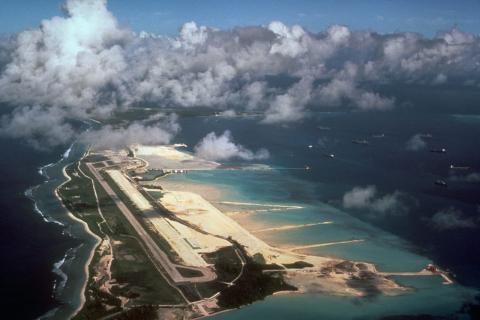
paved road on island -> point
(156, 254)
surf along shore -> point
(71, 270)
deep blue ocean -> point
(384, 162)
(30, 246)
(398, 241)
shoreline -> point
(89, 232)
(69, 305)
(181, 202)
(181, 196)
(192, 208)
(222, 200)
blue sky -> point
(165, 17)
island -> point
(164, 251)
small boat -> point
(440, 183)
(310, 146)
(442, 150)
(329, 155)
(360, 141)
(307, 168)
(381, 135)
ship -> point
(442, 150)
(453, 167)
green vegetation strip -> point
(253, 285)
(137, 278)
(189, 273)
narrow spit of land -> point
(423, 272)
(158, 255)
(291, 226)
(325, 244)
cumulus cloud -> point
(213, 147)
(416, 143)
(159, 129)
(88, 65)
(42, 127)
(67, 61)
(367, 198)
(343, 89)
(289, 106)
(451, 218)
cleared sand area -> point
(318, 274)
(162, 151)
(203, 243)
(169, 158)
(194, 209)
(126, 186)
(179, 243)
(291, 227)
(185, 247)
(208, 192)
(324, 275)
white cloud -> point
(367, 198)
(290, 40)
(451, 218)
(68, 61)
(213, 147)
(43, 127)
(416, 143)
(192, 35)
(290, 106)
(343, 89)
(359, 197)
(156, 130)
(88, 65)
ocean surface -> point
(403, 240)
(30, 246)
(44, 250)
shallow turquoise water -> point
(426, 300)
(390, 253)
